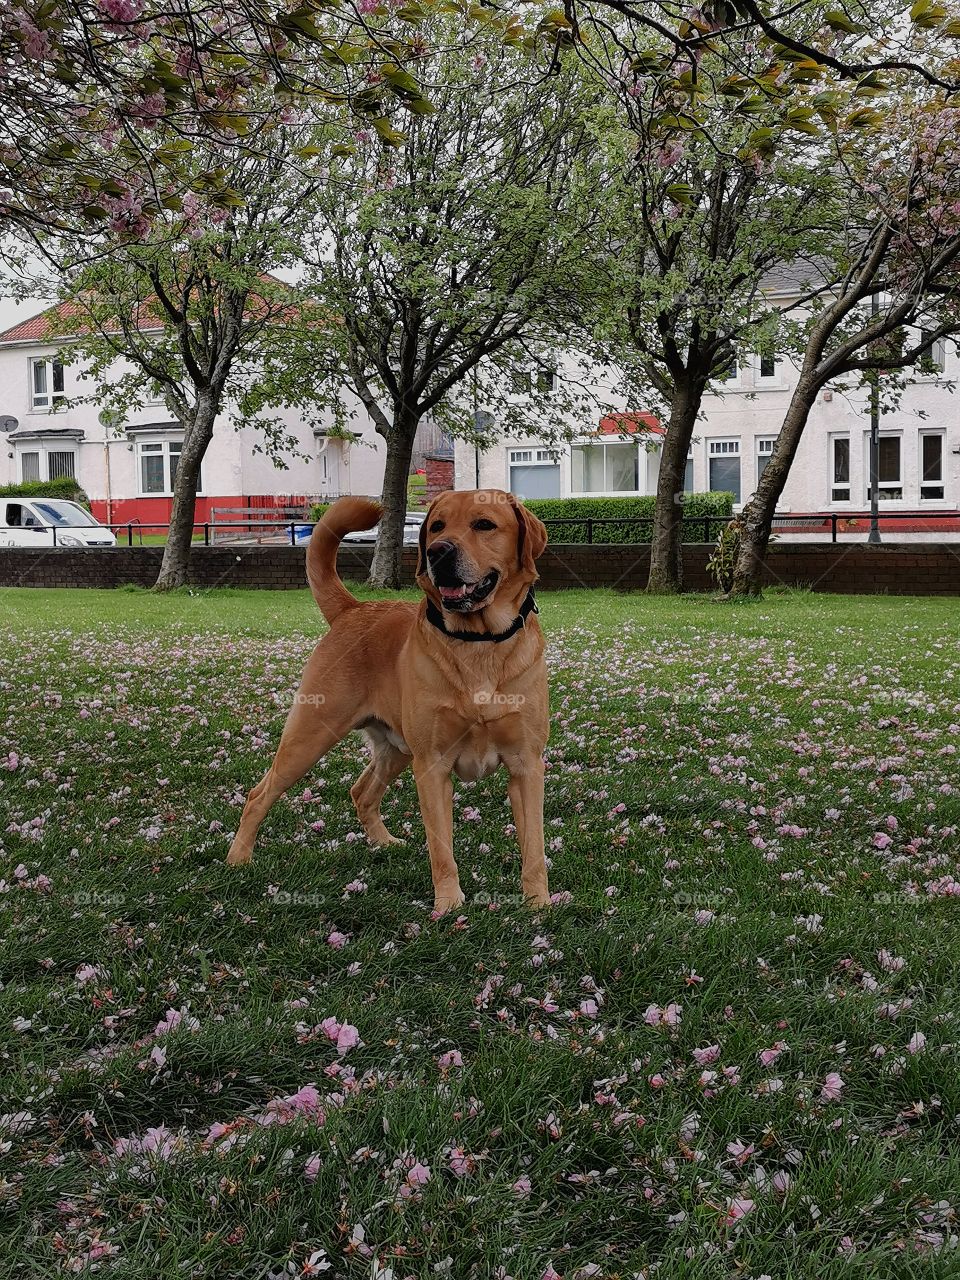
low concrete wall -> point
(854, 568)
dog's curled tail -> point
(346, 515)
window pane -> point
(61, 464)
(762, 461)
(57, 377)
(535, 482)
(688, 477)
(588, 468)
(151, 472)
(520, 384)
(40, 378)
(725, 476)
(932, 458)
(888, 462)
(30, 466)
(768, 364)
(841, 461)
(622, 472)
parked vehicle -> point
(411, 530)
(50, 522)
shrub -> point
(318, 511)
(695, 505)
(66, 487)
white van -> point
(50, 522)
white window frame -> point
(149, 448)
(603, 443)
(937, 357)
(153, 396)
(772, 381)
(833, 484)
(43, 452)
(532, 457)
(51, 400)
(764, 449)
(725, 447)
(884, 435)
(941, 484)
(734, 382)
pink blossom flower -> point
(461, 1164)
(452, 1058)
(769, 1056)
(704, 1057)
(418, 1176)
(737, 1209)
(312, 1168)
(917, 1042)
(338, 940)
(833, 1086)
(522, 1187)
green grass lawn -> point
(728, 1051)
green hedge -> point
(694, 505)
(66, 487)
(318, 510)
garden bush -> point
(66, 487)
(695, 506)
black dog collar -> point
(435, 617)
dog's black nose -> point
(437, 550)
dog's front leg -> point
(435, 789)
(526, 799)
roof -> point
(629, 423)
(54, 323)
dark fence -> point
(919, 569)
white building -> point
(128, 471)
(919, 461)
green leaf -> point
(680, 193)
(927, 13)
(839, 21)
(391, 136)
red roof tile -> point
(630, 423)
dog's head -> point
(477, 547)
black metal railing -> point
(299, 530)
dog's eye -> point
(483, 525)
(437, 527)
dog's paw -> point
(238, 857)
(384, 840)
(444, 902)
(537, 900)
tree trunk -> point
(666, 555)
(176, 553)
(757, 516)
(385, 568)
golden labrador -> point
(454, 684)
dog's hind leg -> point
(367, 792)
(308, 735)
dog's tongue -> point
(453, 593)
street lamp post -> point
(874, 535)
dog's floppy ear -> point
(422, 560)
(531, 536)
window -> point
(764, 451)
(61, 464)
(546, 380)
(605, 468)
(46, 383)
(840, 469)
(729, 370)
(688, 473)
(29, 466)
(158, 466)
(724, 458)
(932, 361)
(931, 464)
(889, 480)
(766, 366)
(153, 394)
(534, 473)
(520, 383)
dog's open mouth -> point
(468, 595)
